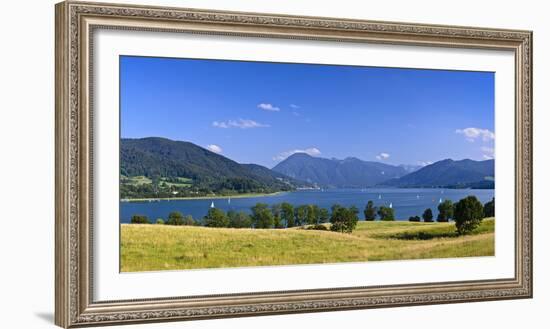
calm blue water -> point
(405, 202)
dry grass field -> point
(163, 247)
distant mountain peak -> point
(447, 173)
(299, 155)
(349, 172)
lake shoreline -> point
(405, 202)
(207, 197)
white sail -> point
(391, 205)
(440, 200)
(228, 200)
(379, 196)
(212, 204)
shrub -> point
(140, 219)
(468, 214)
(446, 209)
(216, 218)
(318, 227)
(386, 213)
(489, 209)
(175, 218)
(414, 219)
(428, 215)
(370, 211)
(160, 221)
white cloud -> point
(214, 148)
(313, 151)
(488, 152)
(268, 107)
(382, 156)
(219, 124)
(294, 106)
(472, 134)
(424, 163)
(240, 123)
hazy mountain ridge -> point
(450, 173)
(349, 172)
(209, 171)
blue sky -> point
(257, 112)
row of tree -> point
(342, 219)
(283, 215)
(467, 213)
(447, 209)
(383, 212)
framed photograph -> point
(219, 164)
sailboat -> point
(228, 200)
(440, 200)
(212, 204)
(391, 205)
(379, 196)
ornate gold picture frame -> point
(76, 22)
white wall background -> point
(27, 162)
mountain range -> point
(449, 173)
(161, 157)
(210, 172)
(350, 172)
(353, 172)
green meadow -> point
(152, 247)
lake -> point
(405, 202)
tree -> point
(312, 214)
(276, 211)
(287, 214)
(324, 216)
(300, 214)
(343, 219)
(386, 213)
(262, 216)
(239, 219)
(446, 209)
(175, 218)
(489, 209)
(189, 221)
(216, 218)
(370, 211)
(140, 219)
(414, 219)
(428, 215)
(160, 221)
(468, 214)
